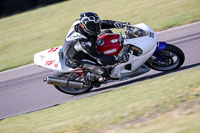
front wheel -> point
(69, 90)
(168, 59)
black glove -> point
(119, 25)
(123, 58)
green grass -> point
(24, 34)
(180, 121)
(119, 109)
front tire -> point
(68, 90)
(168, 59)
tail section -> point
(49, 59)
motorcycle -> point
(140, 42)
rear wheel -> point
(68, 90)
(168, 59)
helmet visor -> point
(92, 27)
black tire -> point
(68, 90)
(173, 52)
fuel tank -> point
(109, 44)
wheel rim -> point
(72, 90)
(164, 60)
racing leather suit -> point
(80, 47)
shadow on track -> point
(145, 78)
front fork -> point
(160, 46)
(156, 55)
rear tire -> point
(168, 59)
(68, 90)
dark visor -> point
(93, 27)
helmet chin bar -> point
(91, 33)
(88, 31)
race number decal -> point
(48, 63)
(53, 49)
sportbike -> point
(139, 42)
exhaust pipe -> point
(67, 83)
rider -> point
(80, 45)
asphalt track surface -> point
(22, 90)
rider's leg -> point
(96, 72)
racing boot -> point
(94, 77)
(98, 70)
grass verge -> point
(24, 34)
(110, 111)
(181, 120)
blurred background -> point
(10, 7)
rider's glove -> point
(119, 25)
(123, 58)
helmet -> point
(90, 23)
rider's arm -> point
(106, 24)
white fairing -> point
(146, 43)
(144, 27)
(51, 59)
